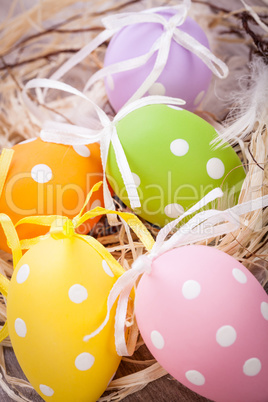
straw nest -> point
(36, 41)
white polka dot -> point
(23, 273)
(174, 210)
(195, 377)
(215, 168)
(95, 204)
(137, 180)
(82, 150)
(84, 361)
(157, 89)
(77, 293)
(191, 289)
(47, 391)
(41, 173)
(175, 107)
(20, 328)
(157, 340)
(252, 367)
(107, 269)
(199, 97)
(226, 336)
(179, 147)
(26, 141)
(239, 275)
(264, 310)
(110, 82)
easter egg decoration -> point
(159, 51)
(45, 179)
(57, 295)
(204, 317)
(184, 75)
(172, 161)
(66, 282)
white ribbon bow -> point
(62, 133)
(204, 225)
(114, 23)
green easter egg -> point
(172, 160)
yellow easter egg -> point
(58, 295)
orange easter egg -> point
(50, 179)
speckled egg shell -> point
(184, 76)
(173, 163)
(204, 317)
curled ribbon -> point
(161, 46)
(195, 230)
(69, 134)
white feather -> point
(250, 105)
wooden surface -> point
(165, 389)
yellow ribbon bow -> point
(61, 227)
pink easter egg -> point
(204, 317)
(184, 76)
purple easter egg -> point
(185, 75)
